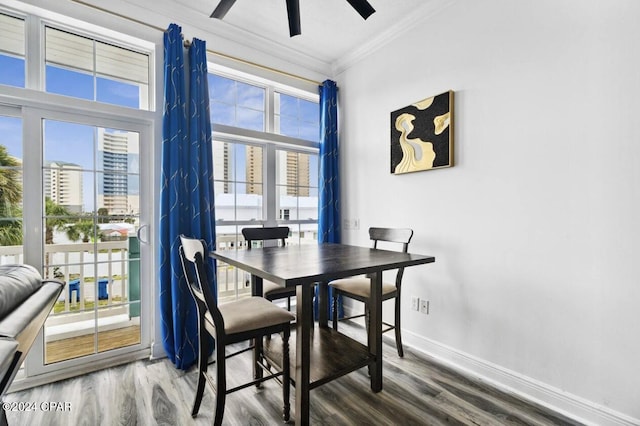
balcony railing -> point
(93, 274)
(233, 282)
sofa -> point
(25, 303)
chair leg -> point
(221, 384)
(257, 356)
(334, 310)
(397, 328)
(366, 322)
(202, 371)
(288, 303)
(286, 375)
(367, 327)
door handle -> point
(139, 234)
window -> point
(12, 50)
(296, 117)
(11, 233)
(85, 68)
(237, 182)
(261, 179)
(236, 103)
(71, 173)
(297, 185)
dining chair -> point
(244, 319)
(270, 290)
(359, 288)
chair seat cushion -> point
(271, 289)
(250, 314)
(360, 287)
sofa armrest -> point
(27, 318)
(23, 324)
(17, 284)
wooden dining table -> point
(321, 353)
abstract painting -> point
(422, 135)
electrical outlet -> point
(351, 224)
(415, 303)
(424, 307)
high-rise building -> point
(297, 174)
(63, 185)
(118, 185)
(254, 170)
(222, 167)
(293, 169)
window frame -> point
(34, 90)
(34, 104)
(269, 140)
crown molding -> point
(221, 37)
(416, 17)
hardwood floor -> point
(417, 391)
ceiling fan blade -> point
(222, 8)
(293, 11)
(362, 7)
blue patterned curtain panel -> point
(186, 193)
(329, 203)
(329, 177)
(200, 173)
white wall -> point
(535, 230)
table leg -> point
(323, 305)
(304, 322)
(256, 290)
(375, 330)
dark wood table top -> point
(306, 264)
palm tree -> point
(10, 232)
(83, 230)
(103, 214)
(10, 185)
(57, 217)
(10, 199)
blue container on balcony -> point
(74, 285)
(102, 288)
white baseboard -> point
(157, 351)
(525, 387)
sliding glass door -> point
(80, 186)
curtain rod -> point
(213, 52)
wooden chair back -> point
(265, 234)
(392, 235)
(192, 252)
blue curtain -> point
(186, 194)
(200, 174)
(329, 177)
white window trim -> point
(268, 139)
(33, 105)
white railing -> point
(89, 271)
(232, 282)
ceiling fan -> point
(293, 11)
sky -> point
(63, 141)
(231, 102)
